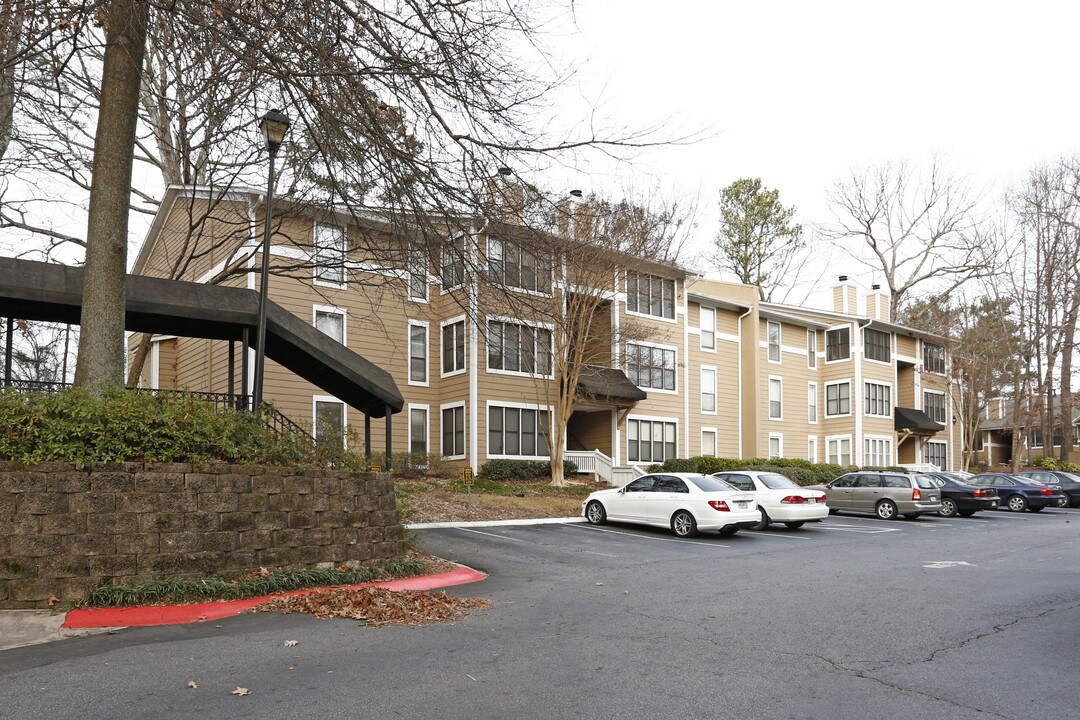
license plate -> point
(993, 503)
(742, 503)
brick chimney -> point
(877, 304)
(845, 296)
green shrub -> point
(503, 470)
(1047, 463)
(803, 472)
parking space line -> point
(867, 529)
(646, 537)
(494, 535)
(775, 536)
(531, 542)
(907, 523)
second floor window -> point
(453, 347)
(933, 358)
(934, 406)
(330, 254)
(776, 398)
(811, 402)
(331, 323)
(650, 367)
(518, 348)
(708, 390)
(516, 267)
(453, 263)
(837, 399)
(878, 345)
(837, 344)
(650, 295)
(418, 349)
(878, 400)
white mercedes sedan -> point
(685, 502)
(779, 499)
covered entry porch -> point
(605, 396)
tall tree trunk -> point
(101, 342)
(1066, 402)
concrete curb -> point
(494, 523)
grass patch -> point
(167, 591)
(484, 486)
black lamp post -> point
(274, 125)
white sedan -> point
(685, 502)
(778, 498)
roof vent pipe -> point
(843, 278)
(875, 286)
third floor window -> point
(878, 345)
(513, 266)
(650, 295)
(650, 367)
(516, 347)
(837, 344)
(330, 254)
(933, 358)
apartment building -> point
(684, 366)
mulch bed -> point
(374, 606)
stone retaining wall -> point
(65, 530)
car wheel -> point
(1063, 502)
(683, 524)
(966, 513)
(1016, 503)
(795, 525)
(595, 513)
(763, 523)
(886, 510)
(948, 507)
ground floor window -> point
(838, 451)
(935, 454)
(418, 429)
(517, 432)
(650, 440)
(811, 449)
(329, 421)
(708, 443)
(878, 452)
(453, 431)
(776, 445)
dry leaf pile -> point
(375, 606)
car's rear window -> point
(776, 482)
(1071, 476)
(710, 484)
(926, 482)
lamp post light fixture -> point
(274, 125)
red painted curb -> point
(201, 612)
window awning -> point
(607, 387)
(916, 422)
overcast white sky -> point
(797, 93)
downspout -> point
(739, 380)
(474, 354)
(686, 363)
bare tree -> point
(917, 226)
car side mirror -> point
(622, 490)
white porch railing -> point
(624, 474)
(591, 461)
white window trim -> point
(892, 397)
(442, 258)
(779, 437)
(514, 288)
(829, 438)
(851, 400)
(701, 333)
(892, 348)
(944, 403)
(716, 440)
(427, 424)
(442, 430)
(427, 353)
(922, 358)
(701, 382)
(881, 438)
(442, 325)
(926, 453)
(333, 309)
(768, 399)
(811, 390)
(851, 350)
(811, 333)
(658, 318)
(515, 406)
(652, 418)
(642, 343)
(529, 323)
(315, 252)
(811, 442)
(779, 342)
(344, 416)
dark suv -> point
(886, 494)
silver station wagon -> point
(886, 494)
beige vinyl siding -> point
(795, 376)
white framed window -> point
(811, 348)
(708, 442)
(453, 346)
(453, 431)
(877, 399)
(651, 439)
(776, 446)
(514, 347)
(513, 266)
(650, 295)
(1035, 439)
(708, 328)
(329, 320)
(936, 454)
(838, 450)
(518, 431)
(773, 332)
(651, 366)
(811, 448)
(453, 262)
(418, 352)
(934, 405)
(776, 398)
(708, 390)
(328, 419)
(877, 451)
(419, 428)
(811, 402)
(418, 273)
(877, 345)
(933, 358)
(329, 253)
(837, 399)
(838, 344)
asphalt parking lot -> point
(850, 618)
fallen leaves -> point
(240, 691)
(375, 606)
(191, 684)
(290, 643)
(52, 601)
